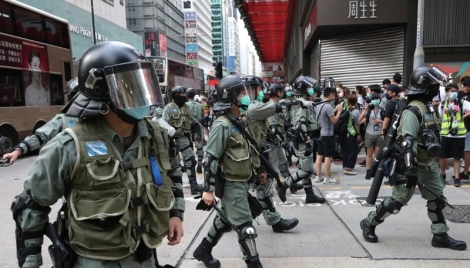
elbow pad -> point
(211, 168)
(409, 156)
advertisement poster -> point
(273, 72)
(190, 32)
(151, 44)
(35, 74)
(191, 48)
(191, 40)
(191, 56)
(163, 45)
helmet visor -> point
(436, 74)
(133, 84)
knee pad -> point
(440, 205)
(394, 207)
(247, 240)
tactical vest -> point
(311, 122)
(195, 109)
(427, 120)
(258, 128)
(112, 209)
(448, 122)
(236, 161)
(180, 119)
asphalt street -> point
(328, 235)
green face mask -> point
(244, 101)
(375, 102)
(289, 94)
(310, 91)
(260, 96)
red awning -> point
(268, 23)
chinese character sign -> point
(151, 44)
(190, 33)
(362, 10)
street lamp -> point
(93, 22)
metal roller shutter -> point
(315, 62)
(363, 59)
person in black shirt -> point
(393, 96)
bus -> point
(173, 73)
(35, 64)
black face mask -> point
(433, 90)
(388, 96)
(179, 100)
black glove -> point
(308, 149)
(202, 206)
(411, 177)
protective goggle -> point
(436, 74)
(130, 85)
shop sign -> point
(362, 10)
(87, 33)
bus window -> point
(176, 69)
(28, 24)
(57, 90)
(189, 72)
(159, 65)
(56, 33)
(5, 18)
(10, 88)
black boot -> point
(295, 187)
(203, 253)
(195, 188)
(368, 232)
(445, 241)
(281, 191)
(311, 197)
(285, 225)
(253, 264)
(199, 169)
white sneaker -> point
(330, 180)
(319, 179)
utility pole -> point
(93, 22)
(418, 59)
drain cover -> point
(461, 214)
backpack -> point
(341, 126)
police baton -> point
(222, 215)
(433, 193)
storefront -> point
(81, 27)
(356, 42)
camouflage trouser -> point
(429, 176)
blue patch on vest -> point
(427, 116)
(175, 111)
(96, 148)
(234, 128)
(70, 123)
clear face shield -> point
(328, 83)
(437, 75)
(133, 85)
(243, 94)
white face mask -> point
(340, 95)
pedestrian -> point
(373, 116)
(466, 90)
(417, 163)
(111, 167)
(326, 117)
(350, 144)
(393, 97)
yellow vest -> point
(105, 220)
(447, 122)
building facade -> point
(109, 22)
(365, 42)
(204, 31)
(233, 46)
(158, 18)
(220, 40)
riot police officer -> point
(229, 164)
(178, 115)
(417, 138)
(304, 122)
(45, 133)
(197, 132)
(110, 166)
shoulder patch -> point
(96, 148)
(234, 128)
